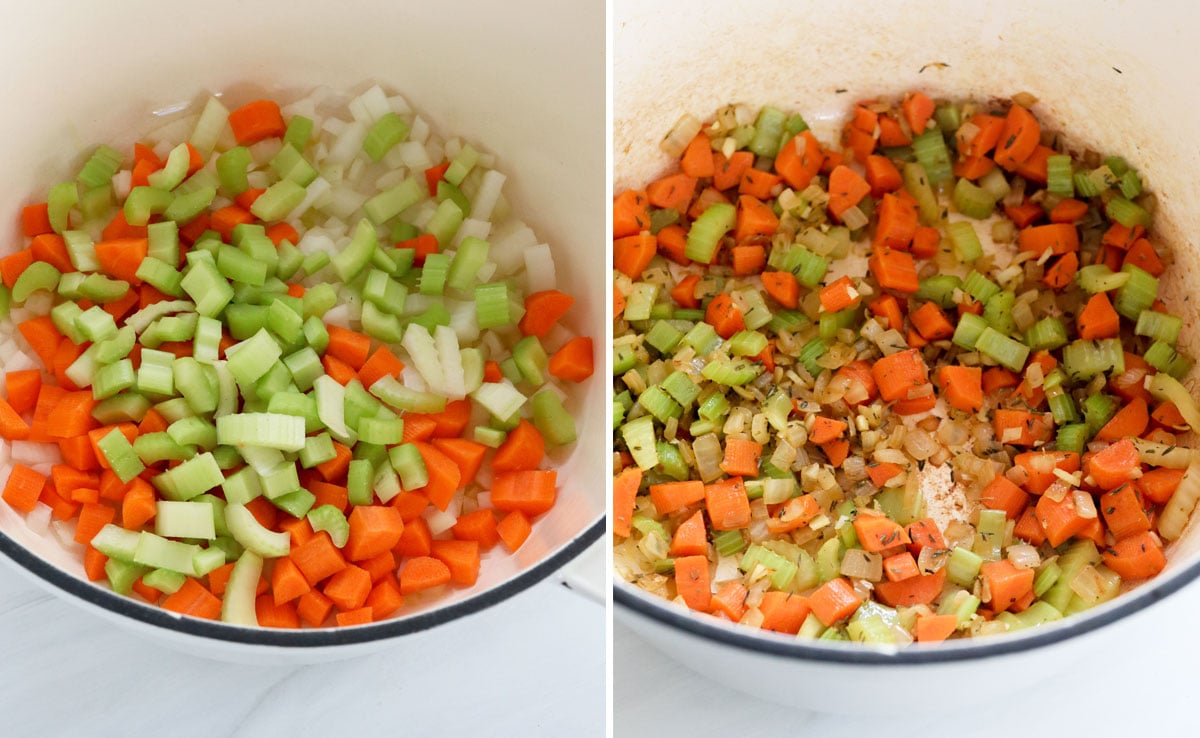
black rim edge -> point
(303, 638)
(728, 634)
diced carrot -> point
(697, 159)
(138, 505)
(730, 600)
(897, 224)
(287, 581)
(1002, 494)
(1158, 485)
(35, 219)
(314, 608)
(741, 457)
(825, 430)
(23, 488)
(836, 451)
(478, 526)
(22, 388)
(931, 322)
(793, 514)
(348, 589)
(1069, 210)
(783, 612)
(839, 295)
(383, 363)
(12, 426)
(532, 492)
(935, 628)
(385, 597)
(879, 533)
(193, 599)
(1143, 256)
(917, 109)
(631, 213)
(1123, 511)
(708, 196)
(1136, 557)
(374, 529)
(632, 254)
(748, 259)
(897, 374)
(318, 559)
(727, 172)
(1130, 421)
(691, 537)
(52, 249)
(445, 478)
(423, 572)
(1115, 464)
(846, 189)
(799, 160)
(888, 307)
(93, 564)
(727, 504)
(723, 315)
(1036, 167)
(901, 566)
(973, 167)
(1028, 528)
(15, 264)
(1098, 319)
(543, 310)
(962, 386)
(1057, 238)
(1060, 520)
(1021, 428)
(671, 497)
(758, 184)
(882, 175)
(513, 530)
(1061, 273)
(1018, 139)
(335, 469)
(416, 540)
(890, 132)
(1006, 582)
(834, 600)
(919, 590)
(257, 120)
(672, 243)
(894, 270)
(625, 487)
(1038, 468)
(672, 192)
(692, 582)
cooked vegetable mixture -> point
(293, 369)
(916, 387)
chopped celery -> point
(932, 154)
(707, 230)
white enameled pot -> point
(525, 80)
(1117, 76)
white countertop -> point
(1148, 691)
(531, 666)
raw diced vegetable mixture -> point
(291, 370)
(915, 387)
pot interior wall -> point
(525, 83)
(1114, 76)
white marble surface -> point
(1157, 678)
(531, 666)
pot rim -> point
(626, 596)
(304, 638)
